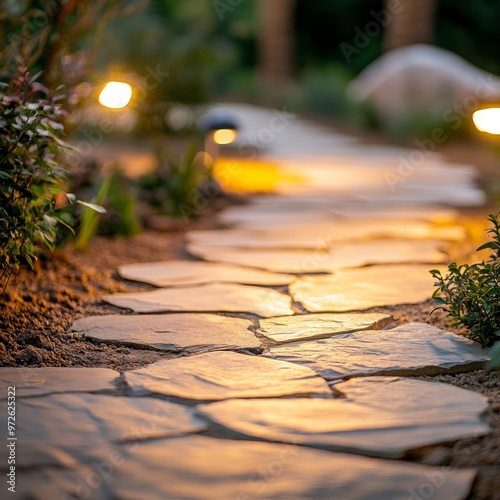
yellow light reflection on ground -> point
(248, 176)
(224, 136)
(115, 95)
(487, 120)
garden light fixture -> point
(219, 128)
(487, 120)
(115, 95)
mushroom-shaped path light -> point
(115, 95)
(219, 128)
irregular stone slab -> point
(41, 381)
(190, 333)
(222, 375)
(435, 214)
(198, 467)
(217, 297)
(64, 429)
(357, 289)
(319, 326)
(184, 272)
(312, 236)
(278, 217)
(72, 483)
(326, 258)
(457, 196)
(415, 397)
(385, 417)
(411, 349)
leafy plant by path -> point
(30, 172)
(470, 294)
(122, 206)
(494, 364)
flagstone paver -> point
(326, 258)
(222, 375)
(189, 333)
(273, 209)
(358, 212)
(314, 234)
(184, 272)
(459, 196)
(41, 381)
(357, 289)
(74, 482)
(274, 218)
(385, 417)
(60, 429)
(199, 467)
(217, 297)
(318, 326)
(411, 349)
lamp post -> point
(219, 129)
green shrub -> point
(494, 364)
(174, 187)
(31, 174)
(89, 220)
(120, 216)
(470, 294)
(121, 203)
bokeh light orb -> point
(115, 95)
(487, 120)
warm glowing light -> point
(224, 136)
(487, 120)
(248, 176)
(115, 95)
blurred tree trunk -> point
(275, 40)
(412, 21)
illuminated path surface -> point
(286, 385)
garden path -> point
(284, 383)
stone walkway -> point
(282, 386)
